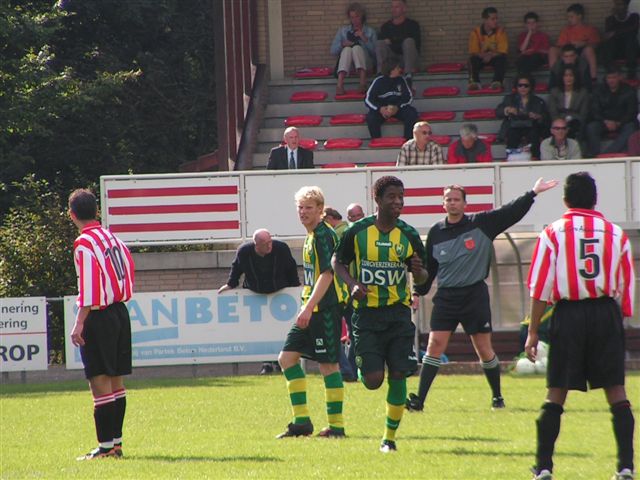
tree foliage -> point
(36, 251)
(95, 87)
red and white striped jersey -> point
(581, 256)
(104, 267)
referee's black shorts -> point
(586, 345)
(107, 337)
(469, 306)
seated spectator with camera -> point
(354, 44)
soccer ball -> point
(541, 365)
(543, 351)
(525, 367)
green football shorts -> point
(384, 335)
(320, 341)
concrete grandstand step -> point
(321, 133)
(280, 91)
(361, 156)
(330, 107)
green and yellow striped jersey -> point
(316, 259)
(381, 260)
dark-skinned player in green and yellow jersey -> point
(384, 249)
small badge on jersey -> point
(399, 249)
(469, 243)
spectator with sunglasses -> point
(525, 116)
(421, 149)
(559, 146)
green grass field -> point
(225, 428)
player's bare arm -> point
(76, 333)
(319, 289)
(531, 346)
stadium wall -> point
(308, 26)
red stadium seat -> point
(303, 121)
(541, 87)
(340, 165)
(314, 72)
(309, 143)
(441, 91)
(350, 95)
(485, 91)
(387, 142)
(348, 119)
(480, 114)
(488, 137)
(309, 96)
(613, 155)
(451, 67)
(632, 82)
(437, 116)
(342, 143)
(381, 164)
(442, 140)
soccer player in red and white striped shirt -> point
(582, 263)
(102, 329)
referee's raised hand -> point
(542, 186)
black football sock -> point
(623, 425)
(103, 414)
(492, 372)
(430, 367)
(548, 427)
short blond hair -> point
(310, 193)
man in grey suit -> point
(290, 156)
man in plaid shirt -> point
(420, 150)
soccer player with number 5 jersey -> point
(102, 328)
(583, 264)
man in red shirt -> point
(577, 33)
(102, 329)
(533, 45)
(583, 264)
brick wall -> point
(310, 25)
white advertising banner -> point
(178, 328)
(23, 334)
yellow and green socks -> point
(334, 394)
(297, 387)
(396, 396)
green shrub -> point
(36, 251)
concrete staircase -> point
(280, 107)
